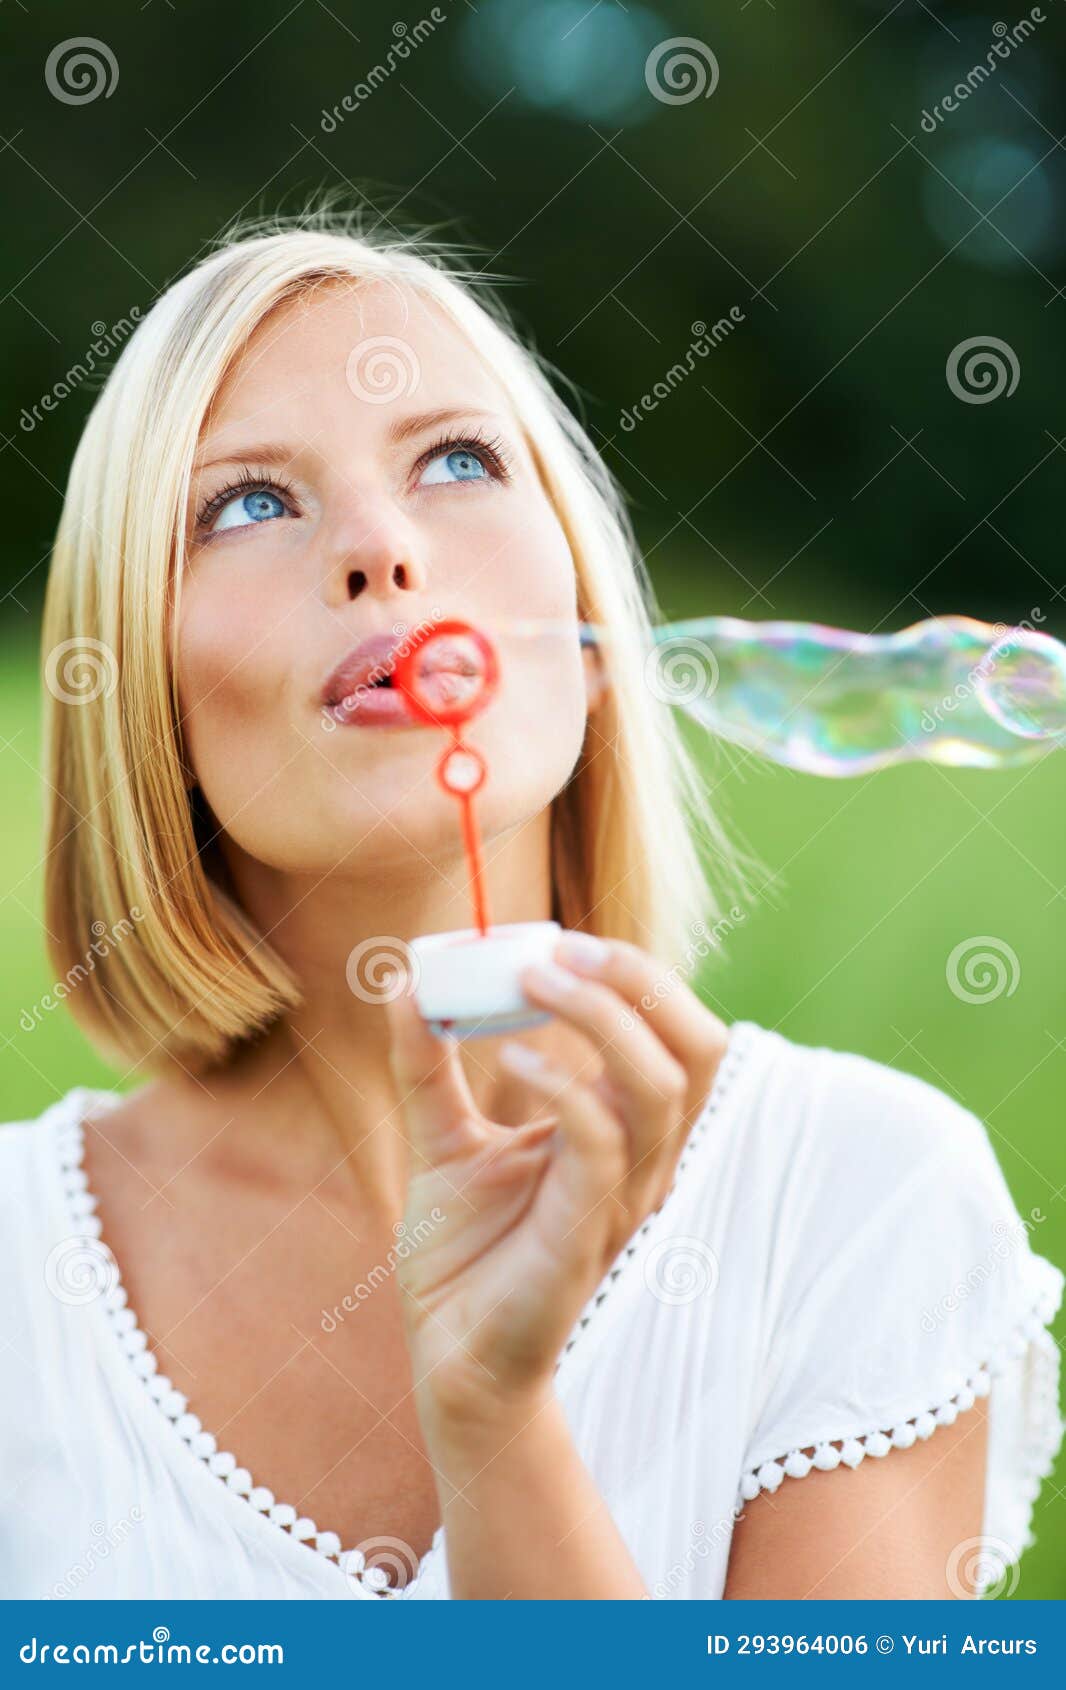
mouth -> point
(361, 690)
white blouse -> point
(837, 1270)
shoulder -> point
(862, 1186)
(896, 1277)
(836, 1122)
(22, 1143)
(38, 1156)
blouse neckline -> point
(99, 1279)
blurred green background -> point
(816, 464)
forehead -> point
(352, 353)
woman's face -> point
(323, 512)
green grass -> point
(877, 880)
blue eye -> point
(460, 464)
(259, 505)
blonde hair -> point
(193, 979)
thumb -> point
(433, 1092)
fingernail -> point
(550, 978)
(521, 1057)
(584, 950)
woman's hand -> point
(513, 1228)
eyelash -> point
(499, 465)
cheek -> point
(532, 737)
(232, 665)
(523, 564)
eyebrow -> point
(276, 454)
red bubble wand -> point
(436, 694)
(466, 982)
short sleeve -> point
(911, 1287)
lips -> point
(360, 691)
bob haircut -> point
(183, 978)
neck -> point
(316, 1091)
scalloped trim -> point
(173, 1404)
(741, 1035)
(1044, 1418)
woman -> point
(332, 1306)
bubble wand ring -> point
(467, 982)
(461, 771)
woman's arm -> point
(523, 1516)
(517, 1228)
(894, 1527)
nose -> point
(374, 552)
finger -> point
(592, 1156)
(649, 1081)
(434, 1093)
(691, 1032)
